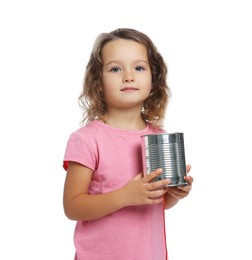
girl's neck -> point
(125, 120)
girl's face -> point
(126, 74)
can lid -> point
(173, 133)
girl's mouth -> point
(129, 89)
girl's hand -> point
(182, 191)
(141, 191)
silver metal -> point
(165, 151)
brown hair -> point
(92, 98)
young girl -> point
(119, 212)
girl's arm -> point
(177, 193)
(79, 205)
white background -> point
(44, 48)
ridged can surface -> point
(165, 151)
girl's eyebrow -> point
(119, 62)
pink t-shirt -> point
(131, 233)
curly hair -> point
(92, 99)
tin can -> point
(165, 151)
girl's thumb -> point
(138, 176)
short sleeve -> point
(81, 149)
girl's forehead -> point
(124, 49)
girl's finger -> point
(188, 168)
(149, 177)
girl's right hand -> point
(141, 191)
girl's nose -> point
(128, 77)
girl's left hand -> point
(182, 191)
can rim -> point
(173, 133)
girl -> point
(119, 212)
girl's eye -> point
(139, 68)
(115, 69)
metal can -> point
(165, 151)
